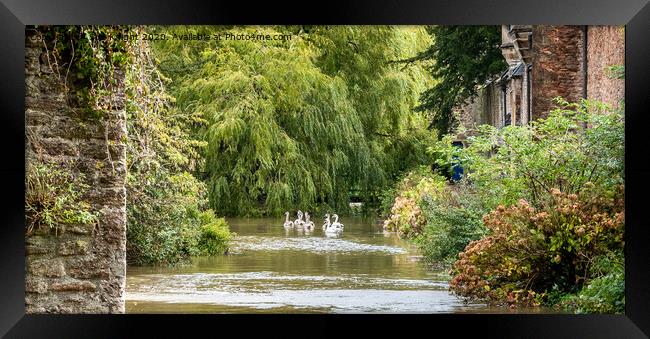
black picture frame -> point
(16, 14)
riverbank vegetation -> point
(539, 211)
(168, 218)
(461, 59)
(167, 207)
(538, 216)
(331, 115)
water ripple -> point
(250, 282)
(266, 290)
(338, 301)
(309, 244)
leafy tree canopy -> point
(464, 58)
(308, 122)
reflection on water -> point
(270, 269)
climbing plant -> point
(168, 219)
(85, 60)
(167, 215)
(54, 198)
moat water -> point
(273, 270)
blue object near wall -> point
(457, 169)
(457, 173)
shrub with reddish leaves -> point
(531, 251)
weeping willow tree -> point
(307, 122)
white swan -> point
(309, 225)
(336, 227)
(287, 223)
(327, 222)
(298, 222)
(332, 231)
(336, 222)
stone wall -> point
(605, 47)
(82, 269)
(558, 66)
(525, 100)
(514, 101)
(484, 108)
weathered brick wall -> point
(469, 113)
(82, 269)
(605, 47)
(493, 113)
(558, 66)
(558, 69)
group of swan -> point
(332, 227)
(329, 227)
(299, 223)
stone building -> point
(545, 62)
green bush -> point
(214, 234)
(386, 200)
(606, 292)
(577, 143)
(555, 188)
(440, 218)
(452, 220)
(405, 214)
(530, 252)
(168, 223)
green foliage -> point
(616, 71)
(568, 173)
(166, 204)
(606, 292)
(387, 199)
(531, 251)
(54, 198)
(464, 57)
(440, 218)
(308, 122)
(214, 234)
(164, 218)
(577, 143)
(562, 179)
(406, 216)
(453, 220)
